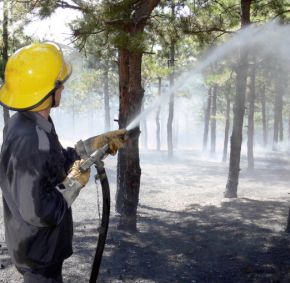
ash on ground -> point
(187, 231)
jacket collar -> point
(39, 121)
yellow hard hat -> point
(32, 74)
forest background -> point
(216, 68)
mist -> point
(268, 42)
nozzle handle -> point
(94, 158)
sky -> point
(54, 28)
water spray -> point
(245, 38)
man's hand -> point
(77, 175)
(115, 140)
(75, 180)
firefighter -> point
(39, 178)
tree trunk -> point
(171, 63)
(6, 115)
(158, 142)
(171, 103)
(239, 110)
(281, 128)
(213, 121)
(131, 96)
(264, 120)
(106, 97)
(252, 97)
(227, 128)
(278, 108)
(128, 170)
(206, 120)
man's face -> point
(58, 95)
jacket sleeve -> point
(39, 202)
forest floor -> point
(187, 231)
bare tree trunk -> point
(281, 128)
(264, 120)
(6, 115)
(278, 109)
(276, 124)
(252, 97)
(106, 97)
(239, 110)
(171, 104)
(158, 118)
(227, 128)
(213, 121)
(171, 63)
(206, 120)
(128, 170)
(131, 95)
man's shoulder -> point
(18, 124)
(20, 132)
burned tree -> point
(252, 97)
(278, 108)
(213, 120)
(131, 95)
(227, 128)
(206, 120)
(157, 118)
(264, 120)
(239, 110)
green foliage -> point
(18, 16)
(153, 68)
(85, 92)
(264, 10)
(47, 8)
(220, 76)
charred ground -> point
(187, 231)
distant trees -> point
(15, 15)
(251, 111)
(207, 111)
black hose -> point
(102, 176)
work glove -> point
(115, 140)
(75, 180)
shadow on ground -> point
(240, 241)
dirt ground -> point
(187, 231)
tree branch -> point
(212, 29)
(63, 4)
(282, 13)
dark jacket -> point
(38, 223)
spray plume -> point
(271, 37)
